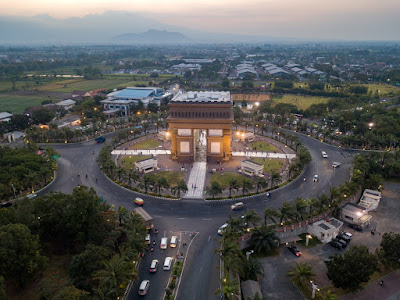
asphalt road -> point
(201, 275)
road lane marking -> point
(206, 219)
(209, 238)
(182, 218)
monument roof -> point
(202, 97)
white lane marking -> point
(165, 233)
(182, 218)
(206, 219)
(209, 238)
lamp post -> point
(314, 289)
(308, 237)
(248, 253)
(12, 184)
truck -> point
(148, 220)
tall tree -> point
(354, 267)
(270, 214)
(215, 189)
(246, 186)
(286, 212)
(275, 179)
(301, 273)
(264, 239)
(180, 187)
(232, 185)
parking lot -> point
(276, 285)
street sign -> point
(101, 199)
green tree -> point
(286, 212)
(300, 209)
(229, 289)
(160, 183)
(275, 179)
(115, 274)
(232, 185)
(42, 116)
(251, 217)
(251, 269)
(215, 189)
(390, 246)
(86, 263)
(122, 214)
(180, 187)
(270, 214)
(3, 295)
(301, 273)
(20, 252)
(354, 267)
(264, 239)
(246, 186)
(260, 183)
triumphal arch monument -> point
(201, 126)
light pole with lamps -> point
(314, 289)
(248, 253)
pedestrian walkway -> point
(140, 152)
(196, 181)
(263, 154)
(374, 291)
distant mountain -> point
(151, 36)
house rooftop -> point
(202, 97)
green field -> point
(70, 85)
(173, 177)
(263, 146)
(270, 165)
(146, 145)
(384, 89)
(17, 104)
(302, 102)
(128, 162)
(223, 180)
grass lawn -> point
(224, 179)
(270, 165)
(128, 162)
(17, 104)
(384, 89)
(302, 102)
(146, 145)
(311, 243)
(57, 264)
(263, 146)
(70, 85)
(173, 177)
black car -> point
(343, 243)
(336, 245)
(295, 250)
(343, 237)
(356, 227)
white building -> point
(355, 214)
(251, 168)
(370, 200)
(146, 165)
(325, 230)
(123, 100)
(5, 116)
(66, 104)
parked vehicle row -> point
(341, 241)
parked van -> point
(167, 263)
(173, 242)
(164, 243)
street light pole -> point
(248, 253)
(15, 197)
(314, 289)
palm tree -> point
(132, 175)
(301, 273)
(334, 194)
(215, 189)
(300, 209)
(232, 185)
(330, 296)
(270, 214)
(115, 275)
(180, 187)
(260, 183)
(160, 183)
(31, 179)
(275, 179)
(246, 186)
(229, 289)
(122, 214)
(120, 173)
(251, 217)
(293, 168)
(147, 182)
(251, 268)
(286, 212)
(264, 239)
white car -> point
(324, 155)
(237, 206)
(315, 178)
(335, 164)
(348, 234)
(222, 229)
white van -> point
(324, 155)
(173, 242)
(167, 264)
(148, 239)
(164, 243)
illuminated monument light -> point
(201, 126)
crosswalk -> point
(196, 180)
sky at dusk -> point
(331, 19)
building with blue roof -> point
(123, 100)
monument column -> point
(174, 144)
